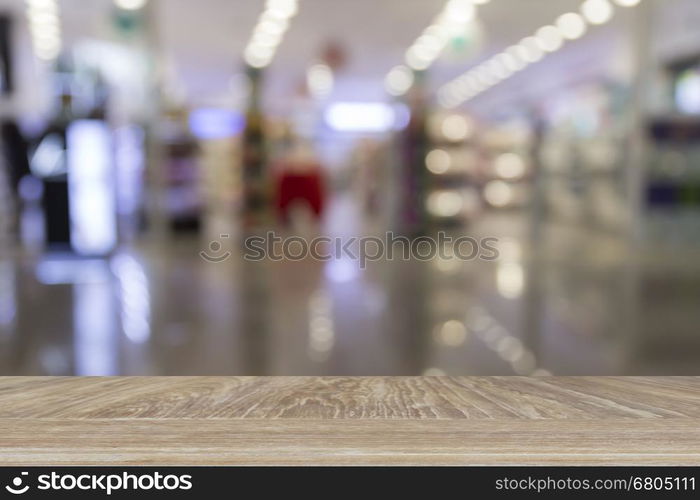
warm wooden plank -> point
(290, 420)
(357, 397)
(339, 441)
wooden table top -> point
(361, 421)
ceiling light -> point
(517, 53)
(571, 26)
(258, 56)
(417, 59)
(360, 117)
(268, 33)
(439, 31)
(509, 62)
(319, 79)
(48, 41)
(484, 76)
(451, 21)
(531, 49)
(398, 80)
(272, 27)
(43, 17)
(51, 31)
(266, 39)
(45, 28)
(549, 39)
(431, 43)
(130, 4)
(446, 100)
(282, 8)
(597, 11)
(496, 69)
(468, 83)
(41, 3)
(460, 11)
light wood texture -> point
(323, 421)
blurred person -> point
(49, 162)
(15, 150)
(14, 156)
(299, 179)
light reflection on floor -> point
(573, 302)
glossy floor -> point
(559, 299)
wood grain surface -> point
(323, 421)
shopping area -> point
(144, 140)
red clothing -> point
(293, 185)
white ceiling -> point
(205, 38)
(202, 40)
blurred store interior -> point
(143, 140)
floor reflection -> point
(567, 302)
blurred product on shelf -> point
(183, 203)
(583, 164)
(507, 149)
(453, 163)
(255, 155)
